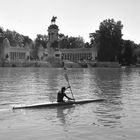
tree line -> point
(64, 41)
(14, 38)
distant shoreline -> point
(68, 64)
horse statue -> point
(53, 20)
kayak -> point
(56, 104)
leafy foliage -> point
(108, 40)
(70, 42)
(127, 54)
(41, 40)
(2, 34)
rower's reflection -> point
(64, 114)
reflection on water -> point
(64, 116)
(109, 84)
(120, 88)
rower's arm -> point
(68, 97)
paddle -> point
(67, 79)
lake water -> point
(116, 118)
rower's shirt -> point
(60, 96)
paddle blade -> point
(66, 77)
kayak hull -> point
(56, 104)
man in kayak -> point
(61, 94)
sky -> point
(74, 17)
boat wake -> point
(4, 109)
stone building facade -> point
(13, 53)
(79, 54)
(74, 55)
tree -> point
(87, 45)
(2, 34)
(108, 40)
(128, 56)
(63, 41)
(71, 42)
(41, 40)
(14, 38)
(26, 40)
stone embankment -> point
(59, 64)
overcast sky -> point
(74, 17)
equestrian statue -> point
(53, 20)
